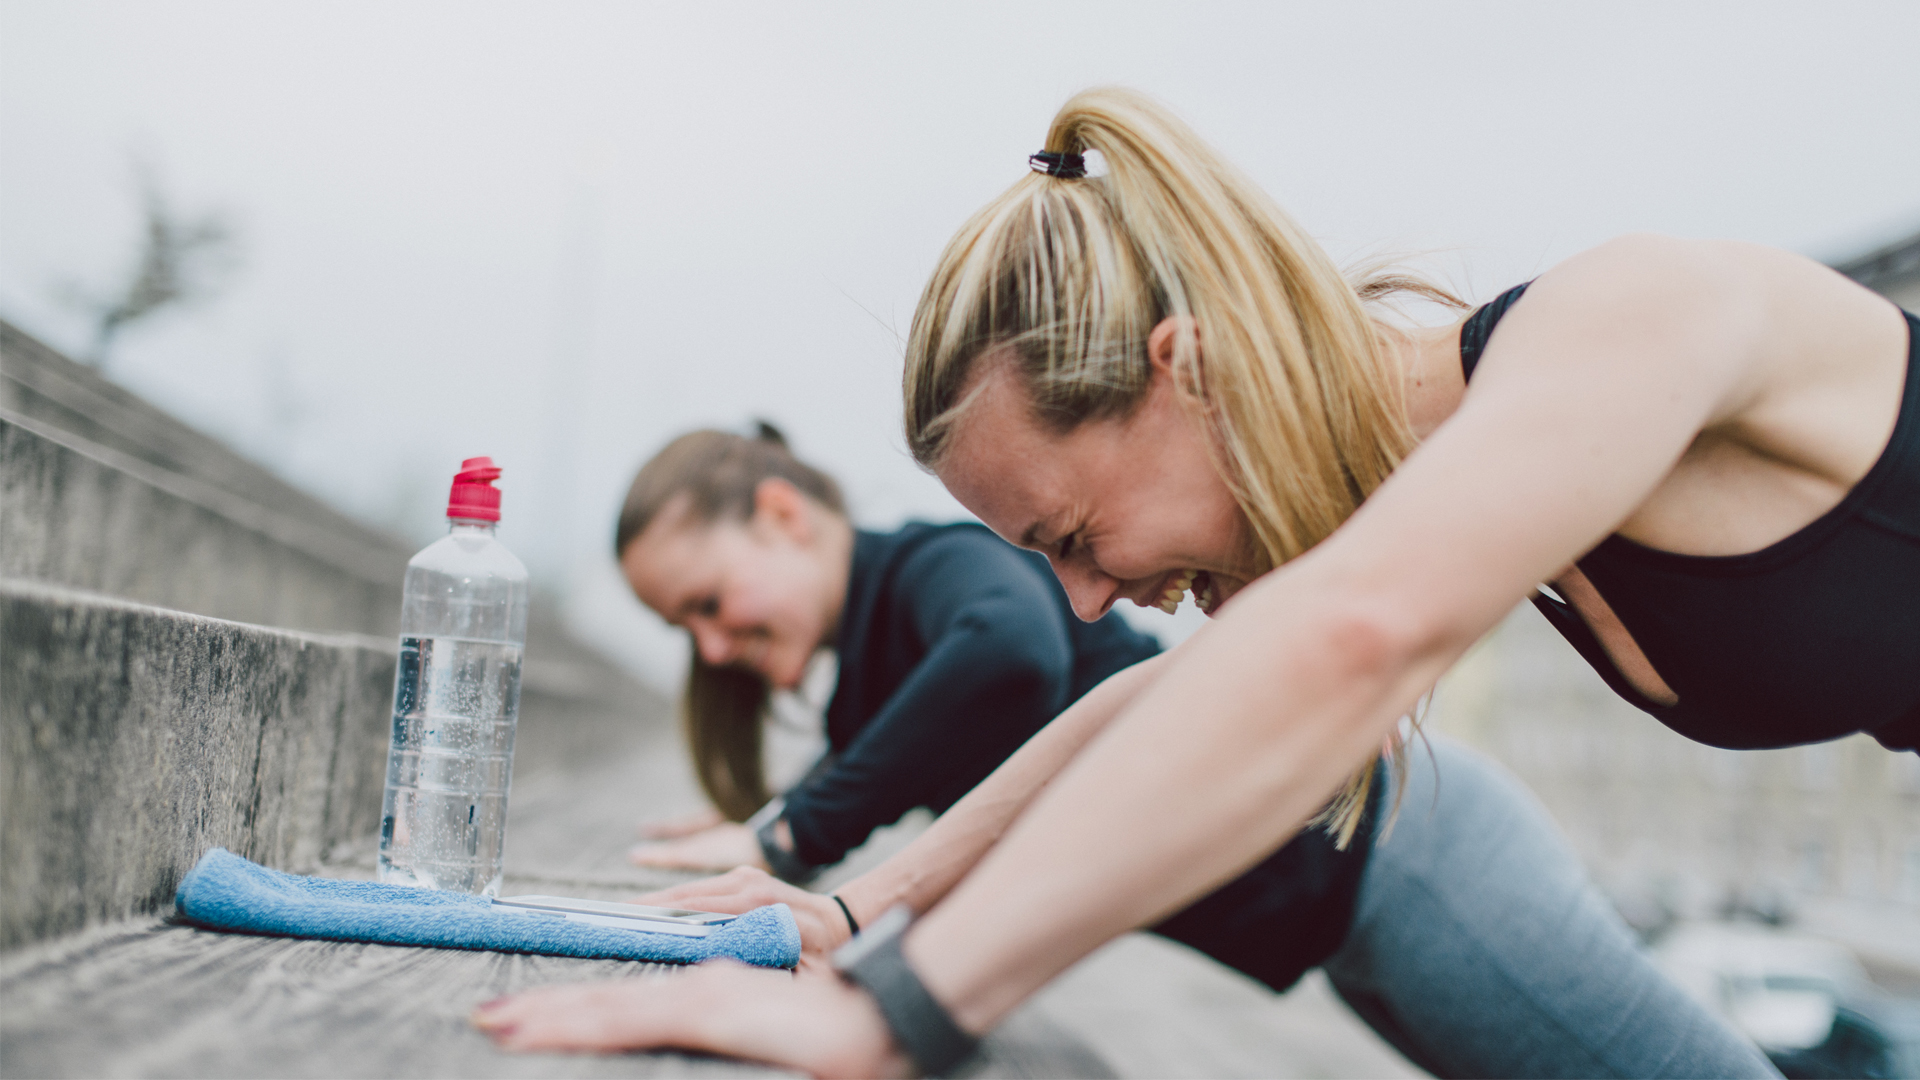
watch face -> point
(883, 930)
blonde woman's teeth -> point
(1170, 599)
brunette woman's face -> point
(1124, 509)
(753, 594)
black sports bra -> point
(1811, 638)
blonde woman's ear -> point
(1169, 339)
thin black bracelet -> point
(844, 910)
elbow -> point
(1366, 637)
(1017, 662)
(1371, 641)
(1037, 677)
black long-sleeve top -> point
(956, 647)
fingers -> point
(717, 848)
(823, 927)
(670, 855)
(737, 891)
(673, 828)
(588, 1016)
(820, 1025)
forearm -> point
(1240, 740)
(923, 872)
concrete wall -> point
(38, 383)
(86, 515)
(193, 653)
(133, 738)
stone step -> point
(37, 382)
(134, 738)
(86, 515)
(102, 491)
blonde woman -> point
(1709, 452)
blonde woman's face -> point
(752, 594)
(1129, 509)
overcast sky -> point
(560, 233)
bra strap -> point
(1479, 327)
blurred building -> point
(1893, 271)
(1677, 830)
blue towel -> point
(226, 892)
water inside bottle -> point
(444, 821)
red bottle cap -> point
(474, 496)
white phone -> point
(659, 920)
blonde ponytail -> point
(1068, 276)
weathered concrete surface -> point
(40, 384)
(132, 739)
(1158, 1010)
(147, 999)
(142, 997)
(85, 515)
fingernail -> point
(494, 1004)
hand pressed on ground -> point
(823, 926)
(673, 828)
(718, 847)
(816, 1023)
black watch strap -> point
(785, 865)
(921, 1025)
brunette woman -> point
(954, 647)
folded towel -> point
(226, 892)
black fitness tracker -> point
(921, 1025)
(785, 865)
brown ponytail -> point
(718, 472)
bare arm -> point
(924, 871)
(1589, 398)
(927, 869)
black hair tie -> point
(1064, 166)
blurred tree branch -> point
(181, 261)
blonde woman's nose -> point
(1088, 591)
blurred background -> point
(399, 235)
(359, 242)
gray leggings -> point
(1479, 948)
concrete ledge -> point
(134, 738)
(39, 383)
(87, 516)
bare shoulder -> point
(1720, 286)
(1755, 321)
(1728, 283)
(1794, 374)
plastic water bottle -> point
(456, 697)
